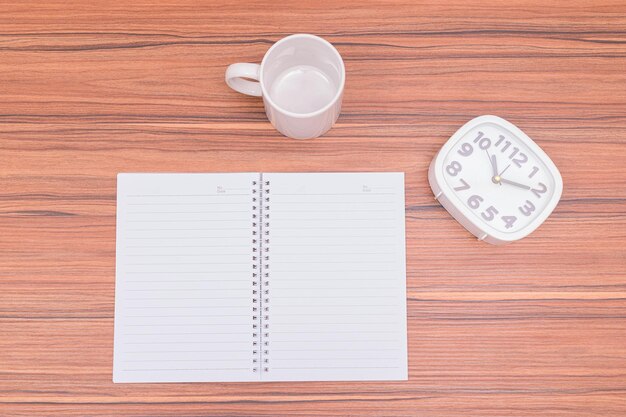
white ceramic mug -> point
(301, 80)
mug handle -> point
(235, 78)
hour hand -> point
(494, 163)
(516, 184)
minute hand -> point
(516, 184)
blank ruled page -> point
(183, 301)
(335, 302)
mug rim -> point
(331, 103)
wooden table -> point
(536, 328)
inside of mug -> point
(302, 74)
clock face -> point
(502, 178)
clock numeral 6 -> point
(454, 168)
(509, 221)
(474, 201)
(466, 149)
(527, 208)
(489, 214)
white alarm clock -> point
(495, 181)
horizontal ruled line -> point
(183, 203)
(185, 351)
(183, 360)
(188, 212)
(338, 314)
(188, 272)
(335, 332)
(334, 202)
(183, 334)
(335, 244)
(344, 358)
(188, 221)
(313, 297)
(334, 270)
(318, 194)
(191, 280)
(188, 325)
(351, 349)
(332, 228)
(195, 255)
(335, 288)
(338, 253)
(184, 298)
(188, 237)
(333, 279)
(181, 263)
(337, 305)
(274, 218)
(185, 369)
(181, 343)
(168, 307)
(339, 367)
(334, 323)
(334, 262)
(273, 211)
(300, 236)
(197, 229)
(188, 289)
(183, 315)
(188, 246)
(184, 195)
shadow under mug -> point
(301, 80)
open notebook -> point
(260, 277)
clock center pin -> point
(496, 179)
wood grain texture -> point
(90, 89)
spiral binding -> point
(265, 258)
(256, 275)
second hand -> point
(507, 167)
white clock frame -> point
(446, 195)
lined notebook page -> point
(183, 300)
(335, 307)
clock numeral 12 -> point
(521, 159)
